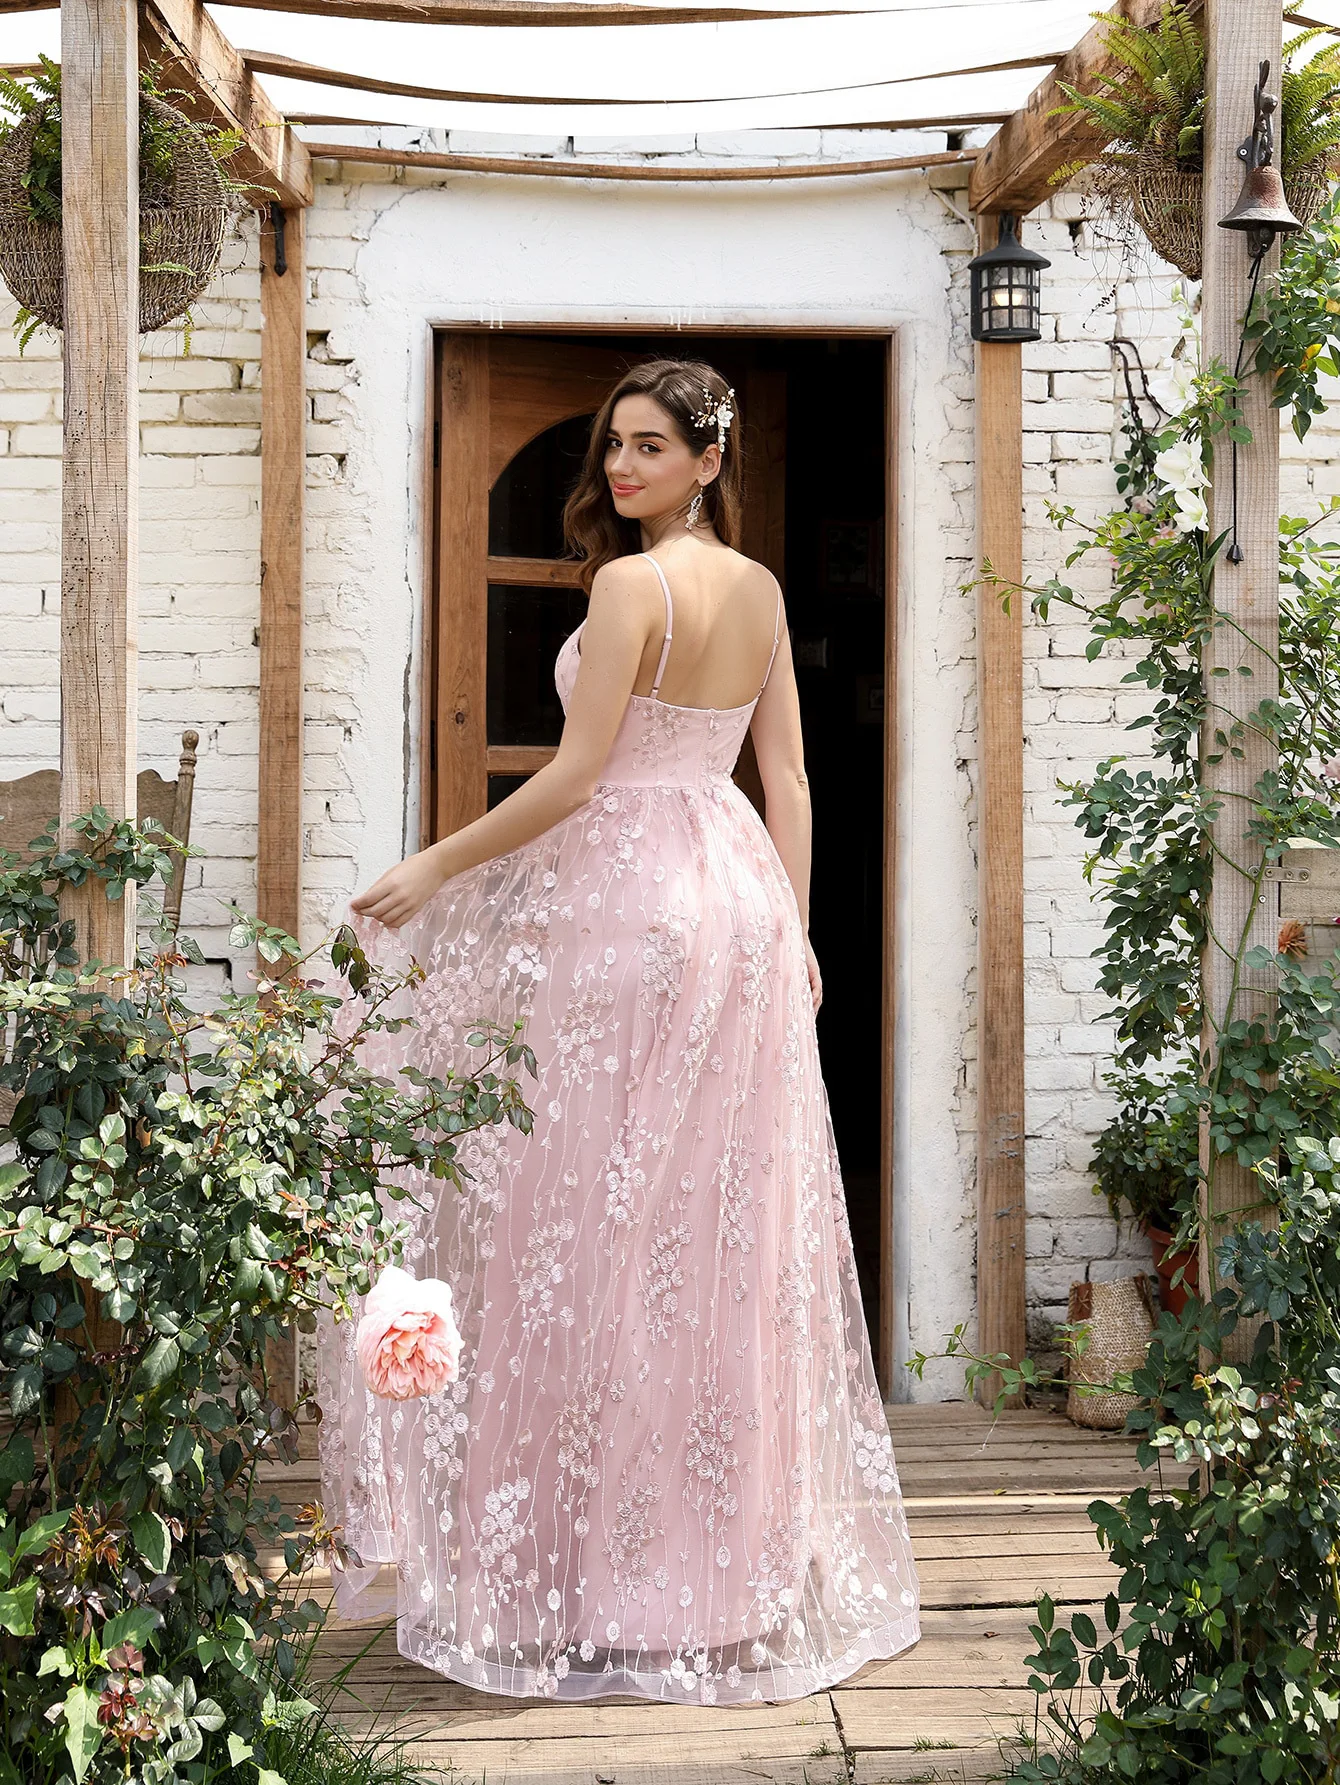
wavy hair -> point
(595, 531)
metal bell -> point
(1262, 205)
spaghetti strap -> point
(669, 619)
(776, 640)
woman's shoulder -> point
(632, 567)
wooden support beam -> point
(1013, 172)
(283, 476)
(100, 466)
(279, 834)
(1242, 655)
(506, 12)
(222, 90)
(1000, 859)
(610, 170)
(271, 62)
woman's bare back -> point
(725, 615)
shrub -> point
(181, 1188)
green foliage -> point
(21, 96)
(1219, 1656)
(1147, 1160)
(1153, 104)
(181, 1188)
(1156, 98)
(1296, 325)
(1152, 829)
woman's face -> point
(650, 468)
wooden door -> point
(499, 611)
(496, 393)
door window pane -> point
(526, 505)
(526, 628)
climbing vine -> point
(1217, 1656)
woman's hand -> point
(402, 890)
(812, 966)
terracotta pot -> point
(1170, 1298)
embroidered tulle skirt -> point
(665, 1468)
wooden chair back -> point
(29, 804)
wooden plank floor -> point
(997, 1514)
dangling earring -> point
(695, 509)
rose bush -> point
(179, 1189)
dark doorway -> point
(817, 440)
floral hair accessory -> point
(718, 413)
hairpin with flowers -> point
(718, 413)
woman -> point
(665, 1468)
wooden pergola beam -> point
(291, 67)
(505, 12)
(222, 89)
(1014, 170)
(614, 170)
(100, 228)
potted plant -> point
(1151, 113)
(185, 201)
(1147, 1162)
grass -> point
(311, 1748)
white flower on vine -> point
(1192, 515)
(1174, 388)
(1181, 468)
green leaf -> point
(152, 1539)
(136, 1625)
(16, 1608)
(238, 1750)
(37, 1537)
(16, 1461)
(25, 1389)
(160, 1362)
(266, 1776)
(82, 1733)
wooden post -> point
(1240, 34)
(100, 468)
(1000, 857)
(279, 835)
(283, 476)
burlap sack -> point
(1119, 1317)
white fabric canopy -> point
(875, 64)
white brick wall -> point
(199, 576)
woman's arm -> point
(625, 605)
(780, 751)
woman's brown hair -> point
(593, 527)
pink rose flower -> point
(408, 1342)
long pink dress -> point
(665, 1468)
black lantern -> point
(1007, 289)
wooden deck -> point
(997, 1513)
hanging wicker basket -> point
(181, 223)
(1120, 1317)
(1165, 202)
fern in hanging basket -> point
(186, 200)
(1150, 111)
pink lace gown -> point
(665, 1468)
